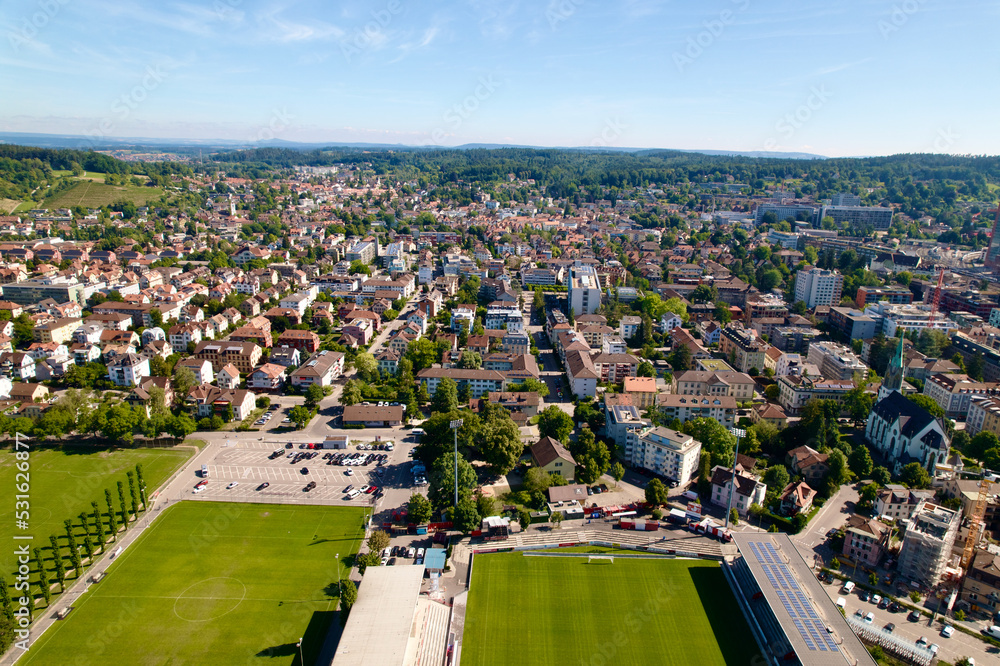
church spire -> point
(893, 380)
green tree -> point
(314, 395)
(348, 597)
(442, 480)
(184, 380)
(838, 473)
(881, 476)
(646, 370)
(112, 517)
(927, 403)
(734, 516)
(556, 519)
(487, 506)
(365, 560)
(121, 503)
(656, 493)
(980, 444)
(914, 475)
(44, 582)
(861, 461)
(300, 416)
(555, 423)
(422, 353)
(714, 438)
(351, 395)
(98, 524)
(524, 519)
(680, 359)
(445, 397)
(536, 480)
(378, 541)
(858, 403)
(419, 509)
(470, 360)
(776, 478)
(467, 516)
(366, 365)
(57, 560)
(591, 455)
(499, 440)
(617, 472)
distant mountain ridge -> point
(83, 142)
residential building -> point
(290, 357)
(808, 463)
(795, 391)
(770, 413)
(684, 408)
(374, 415)
(667, 453)
(835, 361)
(898, 503)
(268, 377)
(642, 390)
(796, 497)
(894, 295)
(744, 349)
(208, 401)
(321, 368)
(306, 341)
(927, 543)
(737, 385)
(584, 295)
(59, 331)
(954, 392)
(866, 540)
(984, 415)
(629, 326)
(749, 489)
(388, 361)
(981, 587)
(623, 422)
(582, 374)
(479, 382)
(550, 455)
(614, 368)
(523, 402)
(816, 286)
(853, 324)
(859, 217)
(128, 369)
(201, 368)
(228, 377)
(244, 356)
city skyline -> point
(861, 78)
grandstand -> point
(790, 614)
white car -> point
(876, 598)
(948, 631)
(934, 647)
(350, 472)
(232, 485)
(870, 617)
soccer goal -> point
(609, 558)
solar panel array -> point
(809, 624)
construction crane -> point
(936, 301)
(975, 521)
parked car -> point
(876, 599)
(914, 616)
(947, 631)
(870, 617)
(263, 485)
(232, 485)
(365, 488)
(309, 486)
(890, 627)
(200, 486)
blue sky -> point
(833, 77)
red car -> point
(371, 489)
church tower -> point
(893, 380)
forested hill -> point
(559, 168)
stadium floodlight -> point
(455, 425)
(738, 432)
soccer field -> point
(213, 583)
(547, 610)
(64, 481)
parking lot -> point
(248, 464)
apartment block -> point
(668, 453)
(927, 543)
(835, 361)
(815, 286)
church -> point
(902, 431)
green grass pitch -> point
(213, 583)
(64, 481)
(546, 610)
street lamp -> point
(299, 646)
(739, 432)
(340, 591)
(455, 425)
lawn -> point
(546, 610)
(213, 583)
(93, 194)
(64, 481)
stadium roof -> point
(379, 626)
(802, 607)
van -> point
(354, 493)
(993, 631)
(417, 432)
(204, 471)
(848, 587)
(841, 603)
